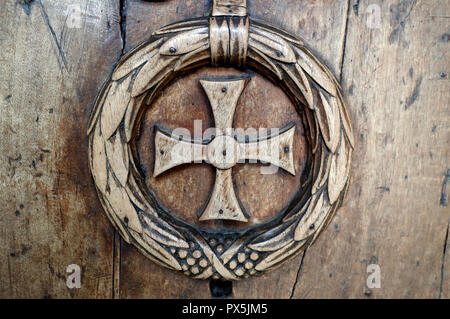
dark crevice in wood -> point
(344, 44)
(444, 255)
(220, 289)
(356, 7)
(444, 192)
(123, 6)
(297, 278)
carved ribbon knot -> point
(228, 33)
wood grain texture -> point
(229, 8)
(398, 99)
(51, 70)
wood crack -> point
(444, 191)
(344, 44)
(123, 6)
(297, 278)
(444, 255)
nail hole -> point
(312, 227)
(224, 153)
(224, 89)
(286, 149)
(221, 212)
(173, 49)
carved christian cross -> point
(224, 150)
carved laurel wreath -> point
(135, 82)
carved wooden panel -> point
(56, 55)
(235, 41)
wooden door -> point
(392, 60)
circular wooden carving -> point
(228, 252)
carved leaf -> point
(134, 192)
(272, 241)
(313, 218)
(325, 164)
(162, 255)
(329, 121)
(163, 233)
(115, 106)
(339, 170)
(279, 256)
(98, 160)
(296, 214)
(130, 117)
(101, 98)
(152, 73)
(316, 71)
(302, 83)
(122, 206)
(262, 59)
(201, 54)
(325, 223)
(313, 130)
(272, 45)
(129, 120)
(114, 219)
(346, 120)
(117, 154)
(136, 58)
(186, 42)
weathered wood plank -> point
(394, 78)
(55, 55)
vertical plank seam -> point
(344, 42)
(444, 255)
